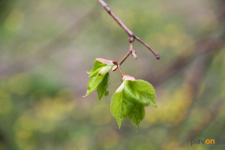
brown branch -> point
(130, 33)
(116, 18)
(146, 45)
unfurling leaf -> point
(96, 67)
(93, 83)
(131, 98)
(102, 88)
(137, 114)
(140, 92)
(120, 106)
(100, 77)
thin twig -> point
(119, 67)
(130, 33)
(146, 45)
(116, 18)
(131, 39)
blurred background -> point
(46, 47)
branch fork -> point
(132, 37)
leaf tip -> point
(137, 128)
(99, 98)
(155, 106)
(119, 123)
(85, 95)
(88, 92)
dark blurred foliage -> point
(48, 45)
(5, 8)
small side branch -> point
(130, 33)
(131, 39)
(146, 45)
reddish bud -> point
(105, 61)
(128, 77)
(114, 68)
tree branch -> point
(146, 45)
(130, 33)
(116, 18)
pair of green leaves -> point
(129, 99)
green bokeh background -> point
(46, 47)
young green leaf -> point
(100, 77)
(140, 92)
(137, 115)
(102, 88)
(93, 83)
(96, 67)
(120, 106)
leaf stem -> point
(119, 67)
